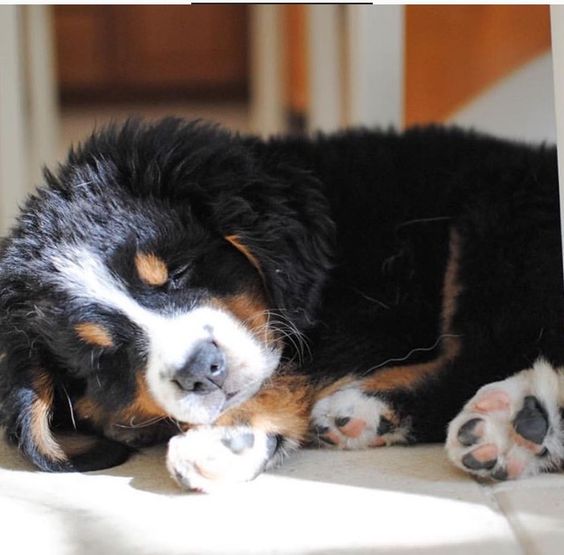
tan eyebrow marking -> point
(94, 334)
(151, 269)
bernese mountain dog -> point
(240, 297)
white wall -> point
(28, 108)
(375, 65)
(267, 69)
(13, 154)
(355, 66)
(520, 106)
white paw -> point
(512, 428)
(208, 458)
(350, 419)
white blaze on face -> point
(172, 337)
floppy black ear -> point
(32, 390)
(282, 225)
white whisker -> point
(415, 350)
(70, 406)
(143, 424)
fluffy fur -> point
(411, 268)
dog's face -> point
(182, 321)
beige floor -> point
(390, 500)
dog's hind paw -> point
(510, 429)
(351, 419)
(208, 458)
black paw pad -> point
(531, 421)
(466, 435)
(342, 421)
(385, 426)
(320, 430)
(474, 464)
(237, 444)
(500, 474)
(325, 439)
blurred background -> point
(65, 70)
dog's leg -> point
(358, 412)
(378, 410)
(511, 428)
(246, 440)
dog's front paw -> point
(510, 429)
(352, 419)
(208, 458)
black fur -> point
(351, 231)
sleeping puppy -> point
(241, 298)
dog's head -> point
(160, 270)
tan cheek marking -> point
(151, 269)
(140, 409)
(143, 406)
(87, 409)
(94, 334)
(282, 406)
(41, 411)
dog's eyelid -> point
(178, 274)
(180, 270)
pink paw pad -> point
(351, 427)
(333, 438)
(515, 468)
(483, 457)
(493, 401)
(485, 453)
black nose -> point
(204, 370)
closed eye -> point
(179, 276)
